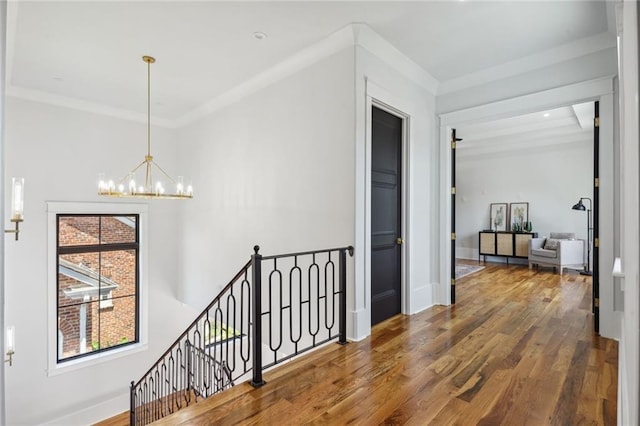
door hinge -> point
(596, 242)
(453, 190)
(596, 122)
(453, 281)
(596, 303)
(596, 182)
(453, 235)
(453, 144)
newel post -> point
(132, 404)
(256, 316)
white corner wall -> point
(274, 169)
(59, 152)
(285, 168)
(629, 358)
(3, 46)
(383, 80)
(550, 178)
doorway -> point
(540, 160)
(386, 214)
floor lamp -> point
(582, 207)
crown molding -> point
(356, 34)
(368, 39)
(335, 42)
(563, 53)
(349, 36)
(85, 106)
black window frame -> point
(98, 248)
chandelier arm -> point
(163, 172)
(132, 172)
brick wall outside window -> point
(106, 326)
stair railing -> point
(275, 308)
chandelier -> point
(149, 183)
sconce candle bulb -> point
(10, 344)
(17, 199)
(17, 205)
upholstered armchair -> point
(559, 250)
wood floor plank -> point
(572, 389)
(517, 348)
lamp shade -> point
(579, 206)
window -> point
(97, 283)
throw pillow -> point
(551, 244)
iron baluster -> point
(342, 300)
(329, 300)
(245, 320)
(296, 269)
(314, 266)
(274, 348)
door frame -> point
(380, 98)
(594, 90)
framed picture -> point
(498, 216)
(519, 215)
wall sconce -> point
(17, 205)
(11, 344)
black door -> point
(386, 212)
(595, 280)
(454, 140)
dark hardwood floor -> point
(517, 349)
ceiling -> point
(567, 124)
(90, 51)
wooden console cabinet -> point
(506, 244)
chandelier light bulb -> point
(180, 186)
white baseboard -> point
(422, 298)
(360, 325)
(95, 413)
(466, 253)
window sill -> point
(96, 359)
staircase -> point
(275, 308)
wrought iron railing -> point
(275, 308)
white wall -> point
(274, 169)
(59, 152)
(384, 80)
(550, 178)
